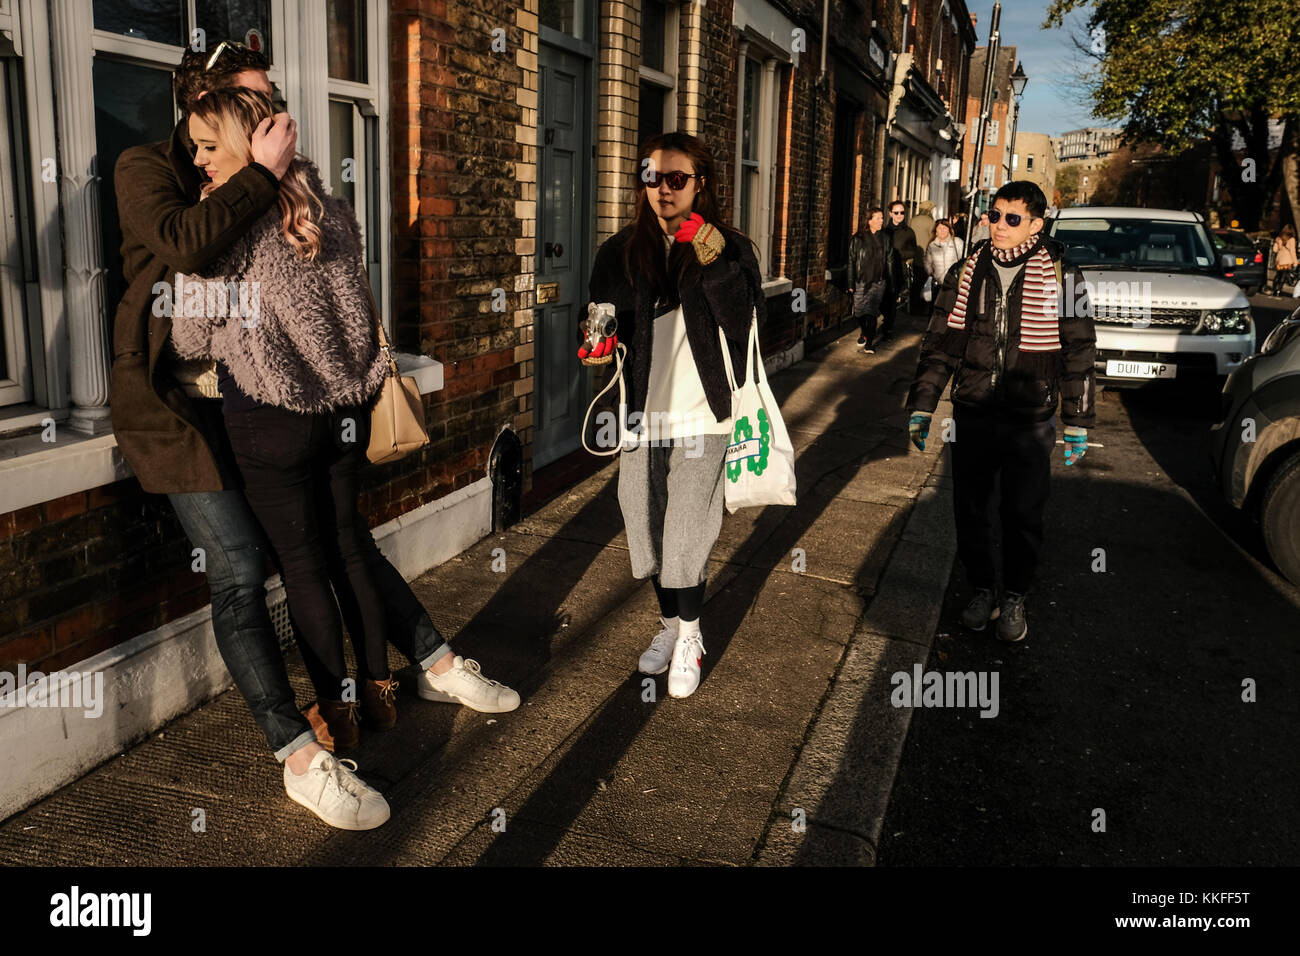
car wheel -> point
(1253, 290)
(1279, 517)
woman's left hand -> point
(705, 239)
(687, 230)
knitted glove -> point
(705, 239)
(1076, 443)
(918, 429)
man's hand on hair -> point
(275, 143)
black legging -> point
(300, 476)
(684, 603)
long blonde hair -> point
(235, 112)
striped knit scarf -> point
(1039, 329)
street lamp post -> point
(986, 99)
(1019, 80)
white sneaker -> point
(465, 684)
(684, 676)
(657, 657)
(331, 789)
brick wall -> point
(616, 116)
(84, 572)
(464, 199)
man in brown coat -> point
(177, 445)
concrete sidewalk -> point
(786, 753)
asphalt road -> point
(1127, 696)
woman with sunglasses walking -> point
(676, 276)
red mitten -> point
(600, 353)
(686, 231)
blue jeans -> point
(222, 524)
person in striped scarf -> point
(1012, 328)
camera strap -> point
(619, 353)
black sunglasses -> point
(1014, 219)
(676, 179)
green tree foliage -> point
(1181, 71)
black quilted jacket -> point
(984, 360)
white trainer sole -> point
(442, 697)
(338, 826)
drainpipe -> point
(812, 163)
(986, 101)
(826, 29)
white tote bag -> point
(759, 469)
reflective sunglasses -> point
(221, 48)
(1014, 219)
(676, 179)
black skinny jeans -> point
(301, 480)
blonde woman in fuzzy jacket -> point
(287, 313)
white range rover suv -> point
(1160, 305)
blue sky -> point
(1053, 102)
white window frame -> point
(991, 136)
(26, 25)
(54, 70)
(16, 382)
(760, 225)
(1029, 163)
(371, 102)
(661, 78)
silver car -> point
(1160, 305)
(1256, 446)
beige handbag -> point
(397, 420)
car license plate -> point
(1121, 369)
(1240, 261)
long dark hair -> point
(864, 222)
(644, 253)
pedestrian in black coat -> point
(1012, 329)
(869, 258)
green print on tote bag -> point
(742, 448)
(759, 468)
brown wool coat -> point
(165, 230)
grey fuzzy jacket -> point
(305, 338)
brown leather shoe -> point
(341, 721)
(379, 704)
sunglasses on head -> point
(676, 179)
(221, 48)
(1014, 219)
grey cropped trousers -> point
(672, 500)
